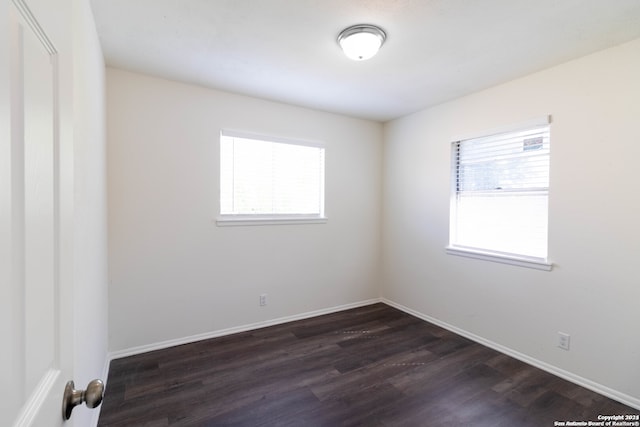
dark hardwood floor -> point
(371, 366)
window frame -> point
(271, 218)
(452, 248)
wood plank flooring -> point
(371, 366)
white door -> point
(36, 330)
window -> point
(500, 189)
(270, 180)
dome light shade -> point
(361, 42)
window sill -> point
(520, 261)
(241, 220)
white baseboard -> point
(569, 376)
(236, 329)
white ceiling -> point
(286, 50)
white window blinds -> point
(500, 200)
(270, 177)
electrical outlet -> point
(564, 340)
(263, 300)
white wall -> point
(594, 237)
(90, 296)
(173, 272)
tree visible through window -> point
(500, 194)
(270, 177)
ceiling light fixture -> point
(361, 42)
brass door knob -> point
(92, 397)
